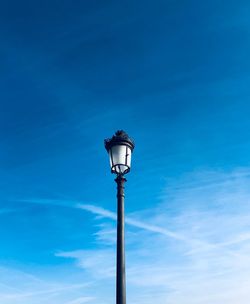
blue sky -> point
(173, 74)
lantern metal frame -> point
(120, 138)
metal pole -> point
(120, 250)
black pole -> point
(120, 250)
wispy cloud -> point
(97, 210)
(93, 261)
(104, 213)
(21, 287)
(204, 259)
(82, 300)
(136, 223)
(205, 253)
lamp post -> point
(120, 148)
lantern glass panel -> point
(120, 158)
(129, 152)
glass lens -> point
(119, 155)
(128, 157)
(120, 158)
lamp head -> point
(120, 148)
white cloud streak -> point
(29, 288)
(207, 261)
(203, 259)
(82, 300)
(138, 224)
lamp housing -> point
(120, 148)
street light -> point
(120, 148)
